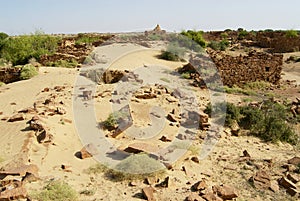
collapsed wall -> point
(237, 70)
(9, 75)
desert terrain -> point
(52, 129)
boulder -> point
(194, 197)
(286, 183)
(88, 151)
(200, 185)
(112, 76)
(148, 193)
(20, 171)
(17, 117)
(12, 193)
(295, 160)
(261, 180)
(139, 147)
(211, 196)
(171, 118)
(225, 192)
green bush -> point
(173, 53)
(169, 56)
(271, 122)
(3, 36)
(242, 34)
(196, 36)
(58, 191)
(63, 63)
(87, 39)
(222, 45)
(291, 33)
(28, 71)
(20, 49)
(113, 119)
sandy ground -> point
(221, 166)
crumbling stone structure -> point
(256, 66)
(8, 75)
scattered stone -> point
(28, 110)
(293, 178)
(274, 186)
(235, 128)
(13, 193)
(171, 118)
(292, 191)
(200, 185)
(151, 180)
(66, 168)
(225, 192)
(289, 167)
(246, 154)
(287, 183)
(60, 111)
(133, 183)
(146, 96)
(112, 76)
(194, 197)
(165, 139)
(88, 151)
(46, 89)
(148, 193)
(139, 147)
(44, 137)
(195, 159)
(295, 160)
(211, 196)
(171, 99)
(165, 183)
(261, 180)
(20, 171)
(17, 117)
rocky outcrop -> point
(8, 75)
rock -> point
(194, 197)
(44, 137)
(171, 118)
(148, 193)
(284, 182)
(200, 185)
(292, 191)
(165, 183)
(112, 76)
(66, 168)
(66, 120)
(235, 128)
(211, 196)
(289, 167)
(165, 139)
(261, 180)
(20, 171)
(60, 111)
(88, 151)
(171, 99)
(195, 159)
(274, 186)
(146, 96)
(295, 160)
(151, 180)
(13, 193)
(46, 89)
(17, 117)
(59, 88)
(37, 125)
(246, 154)
(139, 147)
(27, 110)
(225, 192)
(293, 178)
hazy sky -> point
(73, 16)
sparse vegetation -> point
(2, 84)
(58, 191)
(87, 39)
(271, 122)
(291, 33)
(186, 75)
(173, 53)
(165, 80)
(20, 49)
(112, 121)
(242, 33)
(64, 63)
(28, 71)
(196, 36)
(222, 45)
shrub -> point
(113, 119)
(3, 36)
(58, 191)
(186, 75)
(63, 63)
(2, 84)
(87, 39)
(169, 56)
(28, 71)
(196, 36)
(222, 45)
(291, 33)
(242, 34)
(20, 49)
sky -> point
(78, 16)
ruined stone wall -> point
(8, 75)
(257, 66)
(277, 41)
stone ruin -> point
(236, 70)
(9, 75)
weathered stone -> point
(148, 193)
(44, 137)
(246, 154)
(194, 197)
(12, 193)
(274, 186)
(195, 159)
(88, 151)
(261, 180)
(60, 111)
(287, 183)
(146, 96)
(293, 178)
(295, 160)
(17, 117)
(292, 191)
(171, 99)
(235, 128)
(165, 139)
(165, 183)
(225, 192)
(171, 118)
(211, 196)
(200, 185)
(112, 76)
(20, 171)
(141, 147)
